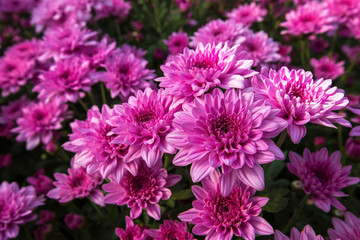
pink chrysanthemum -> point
(16, 6)
(117, 8)
(126, 72)
(348, 229)
(91, 140)
(220, 217)
(355, 131)
(74, 221)
(78, 184)
(219, 31)
(183, 5)
(5, 160)
(322, 176)
(177, 42)
(132, 231)
(194, 73)
(343, 9)
(66, 80)
(311, 18)
(42, 183)
(247, 14)
(16, 207)
(143, 190)
(326, 67)
(39, 121)
(354, 25)
(231, 131)
(171, 230)
(143, 123)
(308, 234)
(260, 48)
(12, 111)
(301, 99)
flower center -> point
(39, 115)
(223, 125)
(203, 64)
(144, 117)
(141, 186)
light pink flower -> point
(17, 205)
(247, 14)
(39, 121)
(354, 25)
(132, 231)
(308, 234)
(231, 131)
(74, 221)
(309, 19)
(171, 230)
(177, 42)
(196, 72)
(301, 99)
(348, 229)
(78, 184)
(220, 217)
(142, 191)
(326, 67)
(322, 176)
(183, 5)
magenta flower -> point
(194, 73)
(231, 131)
(322, 176)
(352, 147)
(42, 184)
(126, 72)
(308, 234)
(39, 121)
(219, 31)
(354, 25)
(247, 14)
(117, 8)
(91, 140)
(326, 67)
(311, 18)
(351, 52)
(183, 5)
(12, 111)
(171, 230)
(343, 9)
(355, 132)
(16, 6)
(177, 42)
(143, 190)
(17, 205)
(78, 184)
(5, 160)
(260, 48)
(143, 123)
(348, 229)
(132, 231)
(301, 99)
(74, 221)
(220, 217)
(318, 45)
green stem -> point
(295, 215)
(341, 144)
(83, 104)
(118, 31)
(102, 89)
(96, 208)
(92, 99)
(333, 42)
(281, 139)
(302, 52)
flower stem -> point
(341, 144)
(333, 42)
(96, 208)
(281, 139)
(302, 52)
(92, 99)
(295, 215)
(102, 89)
(83, 104)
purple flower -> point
(194, 73)
(39, 121)
(143, 123)
(45, 217)
(12, 111)
(78, 184)
(65, 80)
(318, 45)
(322, 176)
(42, 184)
(308, 234)
(260, 48)
(5, 160)
(219, 31)
(132, 231)
(16, 6)
(311, 18)
(326, 67)
(220, 217)
(247, 14)
(352, 147)
(126, 72)
(143, 190)
(171, 230)
(74, 221)
(91, 140)
(231, 131)
(117, 8)
(16, 206)
(301, 99)
(348, 229)
(177, 42)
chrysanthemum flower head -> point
(132, 231)
(12, 111)
(177, 42)
(39, 121)
(308, 233)
(195, 72)
(326, 67)
(301, 99)
(230, 130)
(344, 10)
(16, 6)
(171, 230)
(78, 184)
(143, 123)
(348, 229)
(322, 176)
(143, 190)
(309, 19)
(354, 25)
(42, 183)
(220, 217)
(117, 8)
(247, 14)
(16, 207)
